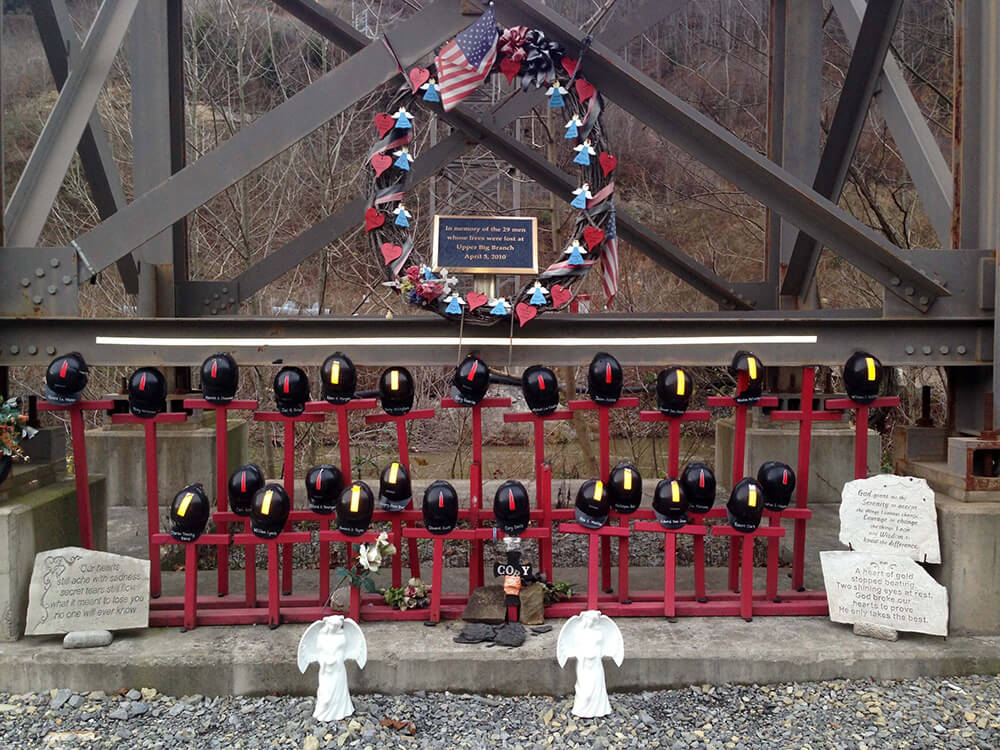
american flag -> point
(609, 260)
(465, 61)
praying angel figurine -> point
(330, 642)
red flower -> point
(413, 274)
(429, 291)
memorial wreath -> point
(528, 57)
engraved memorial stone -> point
(891, 591)
(890, 515)
(78, 589)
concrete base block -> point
(186, 454)
(970, 544)
(32, 521)
(831, 463)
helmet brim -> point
(588, 521)
(394, 506)
(461, 398)
(143, 413)
(512, 528)
(439, 530)
(746, 527)
(62, 399)
(670, 522)
(626, 508)
(216, 398)
(290, 410)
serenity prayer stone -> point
(891, 591)
(891, 515)
(78, 589)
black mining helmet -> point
(355, 509)
(189, 513)
(698, 481)
(625, 488)
(395, 490)
(604, 379)
(147, 393)
(778, 482)
(746, 505)
(220, 376)
(670, 504)
(324, 483)
(470, 382)
(512, 508)
(746, 362)
(65, 379)
(395, 390)
(269, 512)
(440, 508)
(291, 391)
(339, 378)
(673, 391)
(862, 377)
(541, 390)
(243, 485)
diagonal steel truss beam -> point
(863, 74)
(255, 144)
(43, 175)
(721, 151)
(318, 236)
(921, 153)
(59, 40)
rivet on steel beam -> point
(32, 349)
(51, 289)
(25, 282)
(215, 295)
(944, 350)
(232, 300)
(908, 291)
(15, 349)
(206, 302)
(925, 349)
(54, 262)
(215, 311)
(895, 281)
(67, 279)
(39, 272)
(924, 300)
(909, 350)
(961, 349)
(50, 350)
(225, 290)
(37, 299)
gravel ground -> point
(921, 713)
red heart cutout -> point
(418, 77)
(525, 312)
(510, 68)
(373, 219)
(569, 65)
(584, 90)
(381, 162)
(384, 123)
(475, 299)
(593, 236)
(560, 296)
(608, 162)
(390, 252)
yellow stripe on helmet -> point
(598, 491)
(355, 498)
(752, 367)
(335, 373)
(393, 472)
(394, 380)
(870, 362)
(675, 492)
(265, 507)
(185, 502)
(628, 479)
(752, 498)
(681, 384)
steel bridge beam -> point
(252, 146)
(43, 175)
(59, 40)
(863, 74)
(556, 339)
(919, 148)
(723, 152)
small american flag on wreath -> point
(466, 61)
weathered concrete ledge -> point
(406, 657)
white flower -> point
(369, 557)
(382, 539)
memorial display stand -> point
(396, 518)
(604, 433)
(805, 416)
(152, 485)
(544, 545)
(739, 456)
(673, 471)
(222, 477)
(594, 567)
(861, 427)
(344, 445)
(476, 478)
(288, 477)
(698, 532)
(746, 604)
(78, 435)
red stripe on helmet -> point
(541, 382)
(142, 383)
(510, 494)
(62, 370)
(243, 481)
(440, 499)
(287, 378)
(472, 372)
(215, 367)
(319, 481)
(701, 478)
(607, 373)
(784, 476)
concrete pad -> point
(406, 657)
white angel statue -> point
(330, 642)
(589, 637)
